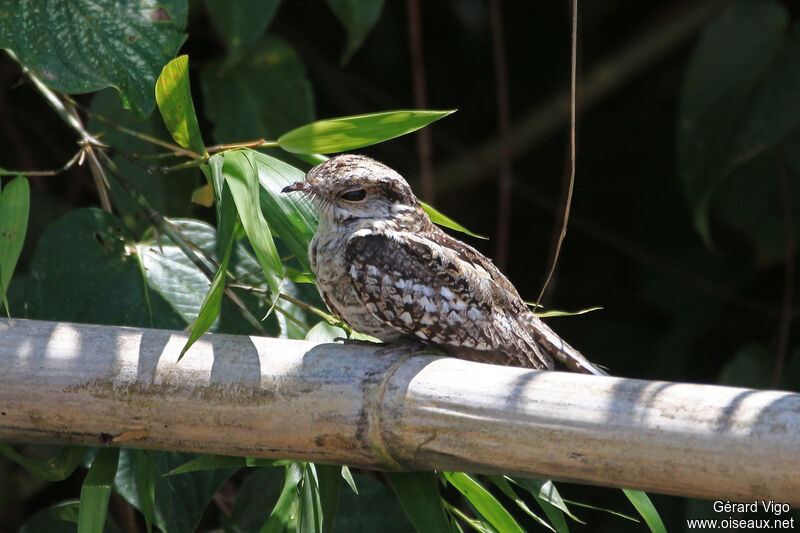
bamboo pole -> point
(329, 403)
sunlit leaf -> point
(241, 175)
(484, 502)
(174, 98)
(447, 222)
(348, 133)
(14, 206)
(645, 507)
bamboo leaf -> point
(348, 133)
(484, 502)
(14, 207)
(447, 222)
(241, 175)
(642, 502)
(96, 490)
(174, 98)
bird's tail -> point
(561, 351)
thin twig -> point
(505, 184)
(420, 98)
(573, 84)
(476, 164)
(55, 172)
(784, 329)
(259, 143)
(174, 148)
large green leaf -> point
(358, 17)
(179, 500)
(419, 495)
(254, 500)
(174, 98)
(348, 133)
(260, 94)
(241, 23)
(726, 112)
(85, 269)
(374, 508)
(14, 206)
(81, 46)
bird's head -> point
(354, 188)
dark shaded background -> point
(674, 308)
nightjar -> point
(386, 270)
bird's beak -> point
(297, 186)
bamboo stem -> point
(340, 404)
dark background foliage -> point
(697, 280)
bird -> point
(385, 269)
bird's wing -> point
(438, 289)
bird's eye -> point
(355, 195)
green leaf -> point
(501, 483)
(240, 23)
(14, 207)
(96, 490)
(209, 462)
(325, 332)
(419, 495)
(329, 478)
(443, 220)
(282, 517)
(552, 313)
(348, 477)
(291, 216)
(310, 501)
(209, 310)
(174, 98)
(716, 95)
(84, 269)
(241, 175)
(348, 133)
(84, 45)
(146, 486)
(374, 508)
(58, 467)
(179, 500)
(545, 491)
(59, 518)
(484, 502)
(358, 17)
(645, 507)
(259, 94)
(260, 489)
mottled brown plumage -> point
(385, 269)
